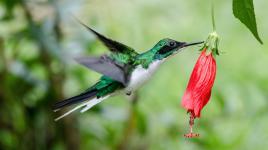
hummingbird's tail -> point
(94, 95)
(74, 100)
(87, 105)
(90, 96)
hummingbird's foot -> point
(128, 93)
(191, 123)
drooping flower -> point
(199, 87)
(198, 91)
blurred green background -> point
(39, 38)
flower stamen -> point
(191, 124)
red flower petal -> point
(199, 87)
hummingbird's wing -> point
(124, 53)
(106, 66)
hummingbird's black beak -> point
(190, 44)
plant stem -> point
(213, 16)
(131, 124)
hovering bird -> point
(124, 70)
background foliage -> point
(40, 38)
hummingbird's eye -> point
(172, 44)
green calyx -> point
(211, 44)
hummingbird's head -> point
(168, 47)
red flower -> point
(199, 87)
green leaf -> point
(244, 11)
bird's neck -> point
(146, 58)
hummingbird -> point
(123, 70)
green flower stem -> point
(213, 16)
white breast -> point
(140, 75)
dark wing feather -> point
(113, 46)
(106, 66)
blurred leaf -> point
(9, 6)
(244, 11)
(8, 140)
